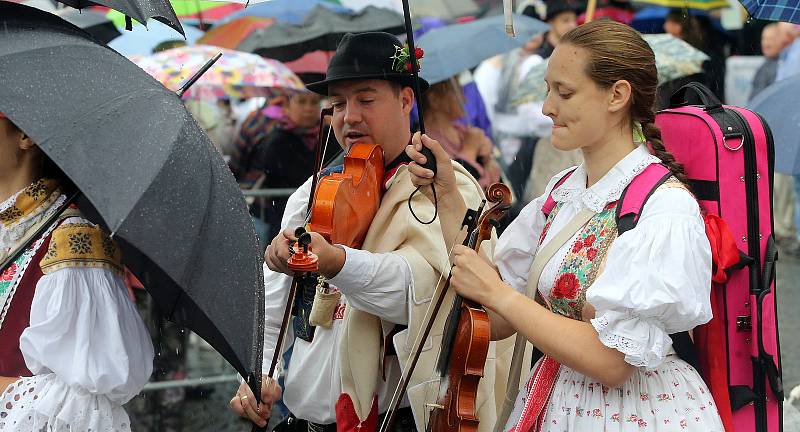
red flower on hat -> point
(567, 286)
(401, 60)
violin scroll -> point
(302, 259)
(501, 196)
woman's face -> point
(303, 109)
(579, 107)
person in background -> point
(467, 145)
(773, 41)
(285, 158)
(698, 31)
(516, 129)
(789, 59)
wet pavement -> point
(205, 408)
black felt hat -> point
(370, 55)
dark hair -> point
(617, 52)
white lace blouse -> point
(657, 277)
(86, 345)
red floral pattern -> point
(567, 286)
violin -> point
(466, 338)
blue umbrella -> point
(778, 104)
(774, 10)
(285, 11)
(142, 40)
(458, 47)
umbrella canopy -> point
(674, 59)
(236, 74)
(94, 23)
(687, 4)
(458, 47)
(321, 31)
(287, 11)
(147, 172)
(231, 34)
(778, 104)
(774, 10)
(140, 10)
(193, 12)
(143, 40)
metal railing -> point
(268, 193)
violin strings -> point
(416, 345)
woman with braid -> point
(606, 304)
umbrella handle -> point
(193, 79)
(508, 12)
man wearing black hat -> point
(342, 377)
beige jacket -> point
(394, 229)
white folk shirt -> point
(377, 283)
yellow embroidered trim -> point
(28, 200)
(81, 245)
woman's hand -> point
(445, 179)
(476, 279)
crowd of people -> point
(606, 353)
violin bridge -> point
(434, 406)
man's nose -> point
(352, 114)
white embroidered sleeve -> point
(518, 244)
(656, 282)
(89, 351)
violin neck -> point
(449, 336)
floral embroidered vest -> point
(582, 263)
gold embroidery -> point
(30, 199)
(81, 245)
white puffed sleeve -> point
(516, 247)
(89, 351)
(657, 280)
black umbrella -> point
(320, 31)
(94, 23)
(147, 170)
(140, 10)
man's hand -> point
(331, 258)
(244, 403)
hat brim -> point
(405, 79)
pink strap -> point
(550, 203)
(640, 188)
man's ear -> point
(619, 95)
(407, 97)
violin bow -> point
(470, 222)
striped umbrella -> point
(774, 10)
(688, 4)
(236, 74)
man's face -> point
(372, 112)
(771, 42)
